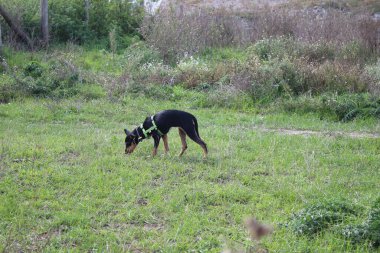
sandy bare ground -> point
(284, 131)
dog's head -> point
(131, 141)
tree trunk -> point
(12, 24)
(87, 10)
(44, 22)
(1, 39)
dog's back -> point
(174, 118)
(186, 122)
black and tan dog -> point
(159, 125)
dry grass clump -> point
(371, 76)
(175, 32)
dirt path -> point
(285, 131)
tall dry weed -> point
(179, 32)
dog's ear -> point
(126, 131)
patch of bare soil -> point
(285, 131)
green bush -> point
(349, 106)
(139, 55)
(7, 89)
(371, 76)
(267, 49)
(355, 52)
(317, 52)
(266, 81)
(317, 217)
(373, 223)
(33, 69)
(57, 80)
(369, 231)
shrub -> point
(373, 223)
(317, 217)
(193, 72)
(266, 83)
(355, 52)
(336, 77)
(33, 69)
(268, 80)
(318, 52)
(349, 106)
(7, 89)
(265, 49)
(140, 55)
(369, 231)
(60, 79)
(295, 68)
(371, 76)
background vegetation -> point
(70, 22)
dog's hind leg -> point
(166, 144)
(192, 133)
(204, 147)
(182, 134)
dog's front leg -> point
(166, 144)
(156, 139)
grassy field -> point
(66, 185)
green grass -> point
(65, 184)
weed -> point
(349, 106)
(7, 89)
(317, 217)
(369, 231)
(371, 76)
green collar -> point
(151, 129)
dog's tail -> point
(196, 126)
(203, 144)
